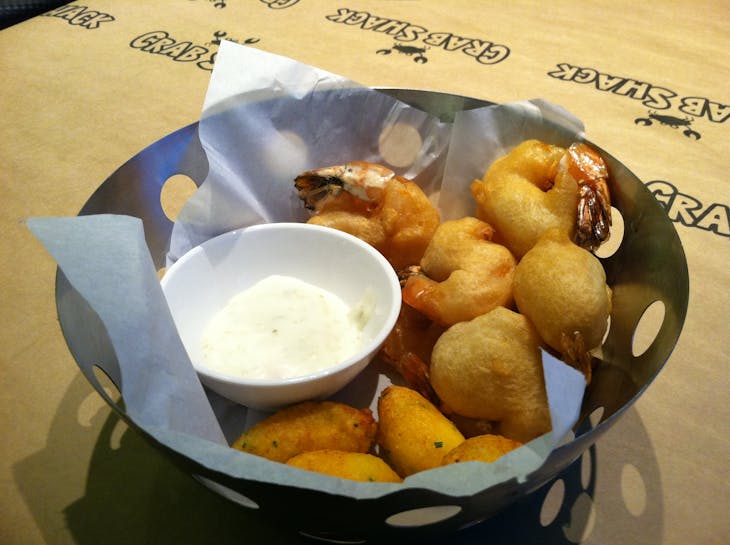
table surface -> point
(84, 90)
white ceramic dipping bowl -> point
(204, 280)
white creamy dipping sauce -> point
(283, 327)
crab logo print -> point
(669, 121)
(408, 50)
(220, 35)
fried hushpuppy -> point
(481, 448)
(413, 434)
(356, 466)
(311, 425)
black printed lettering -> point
(454, 43)
(192, 53)
(477, 48)
(341, 15)
(159, 46)
(495, 53)
(147, 39)
(586, 75)
(159, 42)
(606, 82)
(484, 51)
(410, 34)
(702, 107)
(437, 39)
(81, 16)
(659, 98)
(373, 22)
(688, 210)
(716, 219)
(682, 209)
(72, 11)
(717, 113)
(634, 89)
(392, 28)
(565, 72)
(207, 64)
(357, 18)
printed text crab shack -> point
(485, 52)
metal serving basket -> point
(648, 266)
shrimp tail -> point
(422, 293)
(416, 373)
(575, 354)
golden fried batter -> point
(356, 466)
(307, 426)
(562, 289)
(524, 193)
(369, 201)
(481, 448)
(413, 434)
(463, 273)
(491, 368)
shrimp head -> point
(369, 201)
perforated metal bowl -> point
(649, 266)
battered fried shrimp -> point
(413, 434)
(491, 368)
(482, 448)
(369, 201)
(562, 289)
(356, 466)
(538, 186)
(310, 426)
(408, 349)
(463, 273)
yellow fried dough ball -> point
(413, 434)
(491, 368)
(356, 466)
(562, 289)
(526, 192)
(307, 426)
(481, 448)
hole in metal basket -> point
(423, 515)
(567, 438)
(109, 391)
(596, 415)
(552, 503)
(608, 248)
(586, 469)
(227, 493)
(648, 328)
(400, 144)
(582, 519)
(175, 192)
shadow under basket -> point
(645, 266)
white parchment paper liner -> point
(255, 147)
